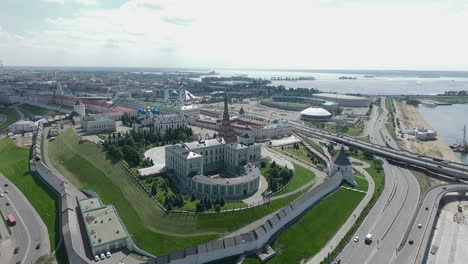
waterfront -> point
(448, 121)
(383, 83)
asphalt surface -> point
(388, 220)
(426, 217)
(29, 230)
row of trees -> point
(207, 203)
(277, 176)
(128, 146)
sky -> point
(270, 34)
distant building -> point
(23, 126)
(79, 108)
(236, 177)
(104, 229)
(340, 165)
(424, 134)
(96, 124)
(242, 112)
(150, 121)
(8, 99)
(192, 111)
(315, 114)
(226, 131)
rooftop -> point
(340, 96)
(315, 111)
(103, 225)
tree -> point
(273, 183)
(273, 164)
(263, 164)
(217, 208)
(154, 189)
(183, 136)
(193, 198)
(221, 201)
(368, 155)
(274, 173)
(200, 207)
(284, 174)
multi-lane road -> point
(391, 214)
(29, 236)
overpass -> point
(452, 169)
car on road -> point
(356, 239)
(16, 250)
(419, 225)
(411, 242)
(5, 185)
(96, 258)
(1, 195)
(38, 245)
(7, 204)
(108, 254)
(103, 257)
(368, 239)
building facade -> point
(79, 108)
(149, 121)
(340, 165)
(96, 124)
(22, 126)
(190, 162)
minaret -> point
(226, 131)
(79, 108)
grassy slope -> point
(14, 165)
(312, 231)
(146, 221)
(31, 110)
(12, 116)
(301, 177)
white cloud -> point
(86, 2)
(270, 34)
(55, 1)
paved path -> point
(333, 243)
(29, 230)
(319, 178)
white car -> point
(108, 254)
(1, 195)
(103, 257)
(356, 239)
(96, 258)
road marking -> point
(25, 227)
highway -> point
(426, 216)
(29, 231)
(390, 216)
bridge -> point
(452, 169)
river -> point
(372, 82)
(448, 121)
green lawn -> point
(14, 165)
(362, 183)
(312, 231)
(12, 116)
(31, 110)
(189, 204)
(87, 167)
(302, 152)
(350, 131)
(301, 177)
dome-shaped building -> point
(315, 114)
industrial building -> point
(344, 100)
(315, 114)
(104, 228)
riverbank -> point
(410, 118)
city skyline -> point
(367, 35)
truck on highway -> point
(11, 220)
(368, 239)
